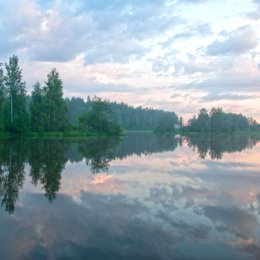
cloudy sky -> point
(177, 55)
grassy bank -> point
(220, 133)
(138, 131)
(89, 134)
(53, 135)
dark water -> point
(144, 197)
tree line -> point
(218, 121)
(46, 110)
(127, 117)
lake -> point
(142, 197)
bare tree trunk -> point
(49, 123)
(11, 109)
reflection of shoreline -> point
(215, 146)
(47, 158)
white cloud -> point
(237, 42)
(134, 51)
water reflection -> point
(216, 145)
(148, 198)
(47, 158)
(12, 158)
(97, 153)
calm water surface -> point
(144, 197)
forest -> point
(47, 111)
(127, 117)
(218, 121)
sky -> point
(176, 55)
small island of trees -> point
(218, 121)
(47, 112)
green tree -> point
(55, 106)
(16, 116)
(37, 108)
(216, 120)
(2, 97)
(203, 120)
(127, 117)
(181, 122)
(100, 119)
(166, 123)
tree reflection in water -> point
(47, 158)
(215, 146)
(13, 154)
(97, 152)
